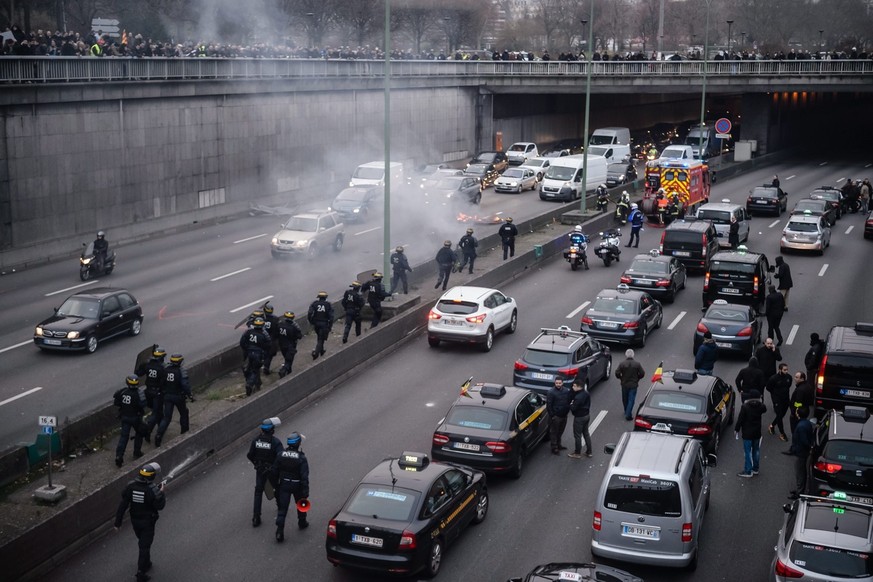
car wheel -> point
(660, 320)
(338, 244)
(275, 254)
(312, 251)
(433, 342)
(91, 344)
(489, 340)
(716, 440)
(108, 271)
(513, 322)
(135, 327)
(642, 342)
(85, 273)
(608, 371)
(671, 296)
(435, 559)
(481, 507)
(518, 466)
(684, 281)
(692, 565)
(362, 215)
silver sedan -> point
(516, 180)
(806, 232)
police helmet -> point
(132, 381)
(257, 313)
(603, 185)
(356, 284)
(268, 309)
(149, 471)
(100, 234)
(634, 206)
(289, 315)
(176, 358)
(269, 424)
(377, 275)
(577, 228)
(624, 193)
(159, 352)
(508, 219)
(399, 249)
(469, 231)
(447, 243)
(294, 439)
(258, 322)
(322, 295)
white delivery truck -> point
(374, 173)
(706, 133)
(610, 136)
(563, 179)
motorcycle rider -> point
(577, 239)
(622, 207)
(271, 327)
(254, 344)
(353, 302)
(375, 295)
(320, 316)
(101, 250)
(636, 220)
(262, 454)
(289, 334)
(602, 198)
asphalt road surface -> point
(205, 532)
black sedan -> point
(623, 316)
(767, 198)
(832, 195)
(658, 275)
(684, 403)
(404, 513)
(356, 203)
(485, 173)
(578, 572)
(496, 161)
(734, 327)
(816, 207)
(492, 428)
(89, 317)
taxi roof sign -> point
(495, 391)
(412, 461)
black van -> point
(845, 375)
(693, 242)
(739, 276)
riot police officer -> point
(262, 454)
(271, 327)
(468, 244)
(445, 259)
(507, 233)
(153, 370)
(177, 389)
(289, 334)
(145, 500)
(254, 343)
(258, 313)
(399, 266)
(131, 406)
(375, 295)
(292, 476)
(353, 302)
(320, 316)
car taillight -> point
(520, 367)
(819, 378)
(587, 321)
(499, 446)
(702, 328)
(642, 423)
(755, 284)
(686, 532)
(745, 332)
(706, 282)
(785, 571)
(597, 521)
(434, 315)
(631, 325)
(661, 246)
(703, 245)
(626, 279)
(700, 430)
(570, 372)
(476, 318)
(440, 439)
(829, 468)
(407, 540)
(331, 529)
(662, 283)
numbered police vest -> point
(173, 380)
(127, 400)
(154, 374)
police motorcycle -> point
(609, 248)
(602, 198)
(622, 208)
(89, 263)
(576, 255)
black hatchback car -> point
(622, 316)
(738, 276)
(816, 207)
(492, 427)
(356, 203)
(684, 403)
(660, 276)
(88, 318)
(842, 456)
(834, 197)
(767, 198)
(693, 242)
(561, 353)
(404, 514)
(577, 572)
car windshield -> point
(600, 140)
(517, 147)
(716, 216)
(560, 173)
(814, 206)
(682, 236)
(513, 173)
(676, 401)
(486, 158)
(448, 184)
(79, 307)
(429, 169)
(673, 153)
(351, 195)
(850, 452)
(830, 561)
(301, 223)
(643, 495)
(649, 267)
(731, 270)
(727, 314)
(366, 173)
(536, 163)
(802, 226)
(477, 417)
(383, 502)
(765, 193)
(457, 307)
(477, 169)
(615, 305)
(545, 359)
(833, 195)
(849, 369)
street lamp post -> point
(703, 93)
(386, 234)
(588, 51)
(730, 24)
(820, 43)
(743, 41)
(584, 22)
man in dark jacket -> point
(707, 354)
(803, 396)
(507, 233)
(558, 406)
(734, 233)
(768, 356)
(814, 355)
(352, 303)
(801, 442)
(320, 316)
(629, 374)
(468, 244)
(783, 275)
(779, 387)
(144, 499)
(262, 453)
(399, 267)
(445, 259)
(580, 406)
(749, 427)
(750, 379)
(774, 308)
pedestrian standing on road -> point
(774, 308)
(289, 334)
(177, 389)
(636, 220)
(706, 356)
(353, 303)
(153, 370)
(750, 379)
(779, 387)
(375, 295)
(291, 469)
(814, 355)
(468, 244)
(768, 356)
(629, 374)
(749, 426)
(803, 396)
(320, 316)
(734, 233)
(399, 267)
(783, 275)
(580, 406)
(802, 438)
(131, 406)
(262, 454)
(507, 233)
(558, 406)
(445, 259)
(254, 344)
(775, 182)
(865, 195)
(271, 328)
(145, 500)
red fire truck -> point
(689, 180)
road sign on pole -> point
(48, 421)
(723, 125)
(47, 430)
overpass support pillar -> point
(759, 123)
(484, 121)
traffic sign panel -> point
(723, 135)
(48, 421)
(47, 430)
(723, 125)
(96, 22)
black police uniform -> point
(176, 390)
(289, 334)
(375, 294)
(352, 302)
(153, 370)
(262, 454)
(131, 406)
(445, 259)
(399, 266)
(508, 232)
(321, 317)
(271, 328)
(468, 244)
(254, 343)
(145, 500)
(292, 475)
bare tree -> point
(550, 14)
(363, 19)
(417, 19)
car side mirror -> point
(711, 460)
(787, 508)
(609, 448)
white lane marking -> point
(823, 269)
(840, 179)
(236, 242)
(368, 230)
(71, 288)
(22, 395)
(868, 165)
(848, 230)
(255, 302)
(220, 277)
(823, 164)
(789, 177)
(792, 334)
(676, 321)
(597, 420)
(772, 224)
(16, 346)
(576, 311)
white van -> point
(710, 142)
(610, 136)
(563, 179)
(613, 153)
(374, 173)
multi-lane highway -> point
(205, 531)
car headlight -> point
(275, 241)
(356, 210)
(513, 184)
(38, 331)
(300, 243)
(351, 184)
(73, 335)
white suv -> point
(308, 233)
(471, 315)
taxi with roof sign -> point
(622, 315)
(403, 515)
(492, 427)
(806, 232)
(576, 572)
(734, 327)
(659, 275)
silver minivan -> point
(652, 501)
(720, 213)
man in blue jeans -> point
(629, 374)
(749, 424)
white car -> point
(516, 180)
(538, 165)
(806, 232)
(471, 315)
(307, 234)
(518, 153)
